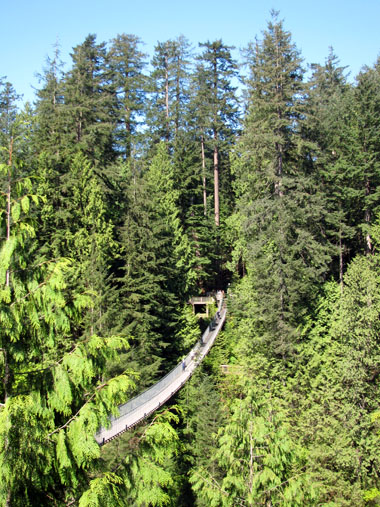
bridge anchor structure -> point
(143, 405)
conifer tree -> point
(279, 203)
(339, 371)
(260, 461)
(89, 240)
(350, 163)
(216, 111)
(154, 280)
(49, 128)
(52, 399)
(326, 105)
(127, 64)
(166, 198)
(166, 115)
(89, 112)
(9, 125)
(138, 469)
(365, 151)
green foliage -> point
(52, 399)
(279, 201)
(143, 475)
(127, 63)
(258, 461)
(188, 329)
(106, 229)
(169, 87)
(162, 184)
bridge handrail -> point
(138, 400)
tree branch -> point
(98, 388)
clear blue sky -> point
(30, 28)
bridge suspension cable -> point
(144, 404)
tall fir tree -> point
(49, 132)
(52, 401)
(216, 113)
(127, 63)
(90, 104)
(279, 202)
(326, 103)
(166, 115)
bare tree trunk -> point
(340, 259)
(128, 130)
(277, 186)
(79, 127)
(204, 177)
(367, 218)
(167, 96)
(7, 276)
(216, 185)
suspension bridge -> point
(143, 405)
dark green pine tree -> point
(48, 132)
(326, 84)
(74, 221)
(169, 82)
(364, 152)
(88, 237)
(350, 164)
(89, 104)
(200, 402)
(215, 110)
(279, 203)
(127, 64)
(198, 226)
(9, 119)
(326, 106)
(157, 267)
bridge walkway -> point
(144, 404)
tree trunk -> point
(216, 185)
(340, 260)
(367, 218)
(204, 176)
(167, 97)
(7, 276)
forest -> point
(135, 182)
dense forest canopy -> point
(135, 182)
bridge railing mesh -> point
(139, 400)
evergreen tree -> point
(366, 148)
(262, 464)
(166, 115)
(9, 125)
(157, 266)
(49, 129)
(52, 400)
(89, 239)
(127, 65)
(138, 469)
(279, 200)
(339, 371)
(326, 104)
(89, 112)
(216, 111)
